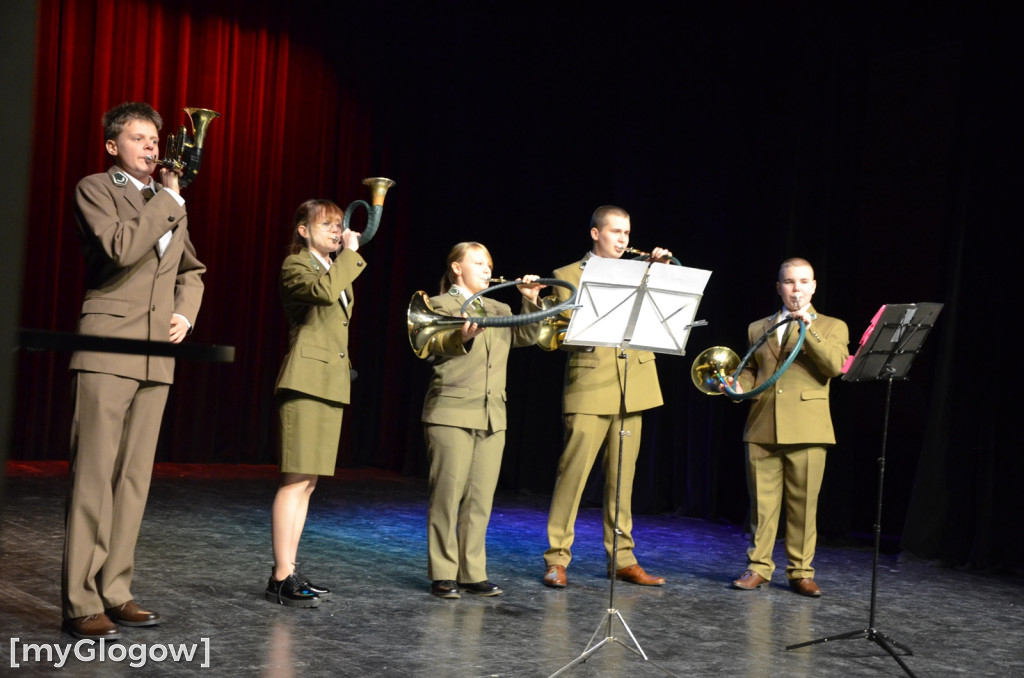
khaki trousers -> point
(464, 468)
(790, 473)
(114, 431)
(586, 434)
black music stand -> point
(886, 351)
(631, 304)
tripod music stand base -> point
(592, 647)
(872, 634)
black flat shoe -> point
(444, 588)
(321, 592)
(289, 591)
(482, 588)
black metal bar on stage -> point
(43, 340)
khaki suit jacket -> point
(795, 410)
(593, 379)
(132, 291)
(467, 388)
(317, 362)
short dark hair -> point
(601, 214)
(117, 117)
(794, 261)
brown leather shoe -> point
(555, 577)
(805, 587)
(92, 627)
(749, 581)
(130, 614)
(635, 574)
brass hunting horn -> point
(713, 365)
(378, 189)
(424, 323)
(184, 151)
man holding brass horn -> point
(464, 421)
(788, 428)
(143, 281)
(591, 407)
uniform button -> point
(153, 309)
(779, 391)
(170, 219)
(359, 263)
(341, 355)
(344, 323)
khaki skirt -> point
(309, 433)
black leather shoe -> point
(321, 592)
(444, 588)
(289, 591)
(482, 588)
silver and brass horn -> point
(424, 323)
(184, 152)
(378, 189)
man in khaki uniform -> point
(143, 281)
(788, 428)
(592, 409)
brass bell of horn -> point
(424, 323)
(710, 368)
(552, 329)
(378, 189)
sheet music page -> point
(616, 311)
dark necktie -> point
(147, 193)
(788, 332)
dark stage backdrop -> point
(877, 143)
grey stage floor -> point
(204, 556)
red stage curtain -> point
(291, 129)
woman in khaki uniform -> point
(314, 382)
(464, 422)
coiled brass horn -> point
(424, 323)
(378, 189)
(184, 152)
(712, 366)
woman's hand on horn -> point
(470, 330)
(529, 289)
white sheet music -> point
(618, 307)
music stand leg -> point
(871, 633)
(612, 613)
